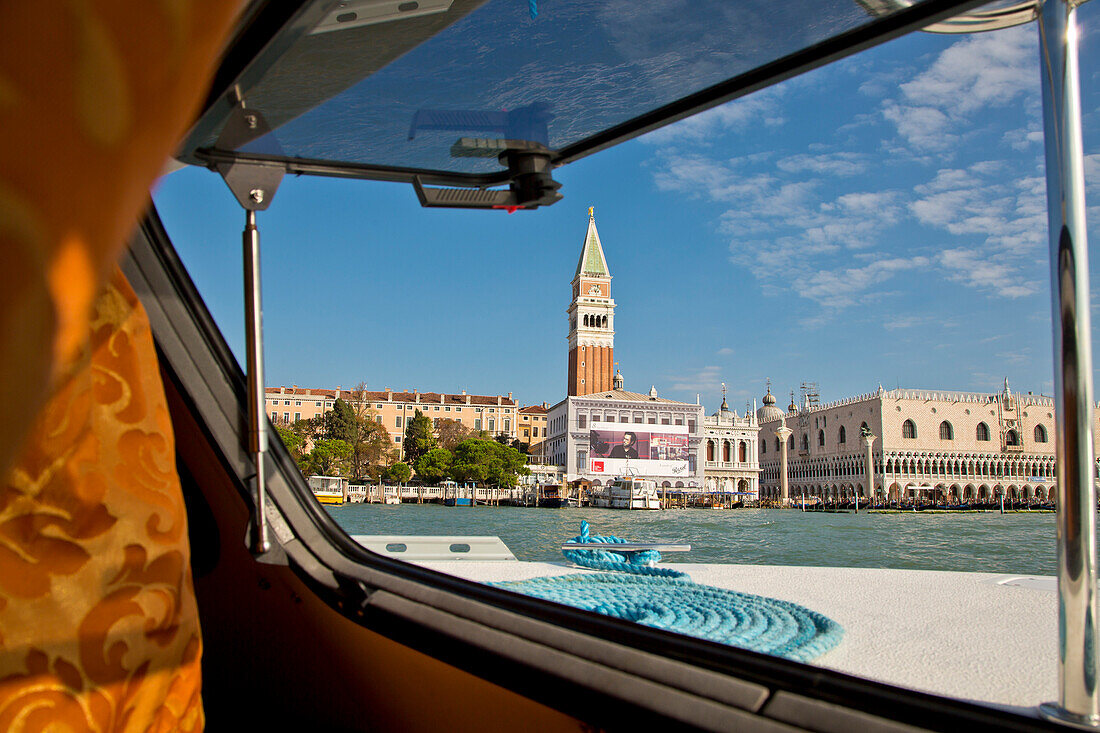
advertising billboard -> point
(617, 449)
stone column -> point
(783, 432)
(868, 440)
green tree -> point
(398, 472)
(502, 438)
(293, 442)
(418, 437)
(327, 457)
(339, 422)
(434, 466)
(488, 462)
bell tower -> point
(591, 319)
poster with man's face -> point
(637, 449)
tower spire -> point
(592, 261)
(592, 320)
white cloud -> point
(833, 164)
(980, 71)
(1023, 139)
(845, 286)
(725, 351)
(987, 273)
(740, 114)
(707, 379)
(1007, 215)
(896, 322)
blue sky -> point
(880, 220)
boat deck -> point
(978, 636)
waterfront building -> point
(531, 427)
(598, 437)
(591, 319)
(495, 414)
(729, 452)
(950, 446)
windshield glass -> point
(843, 278)
(551, 73)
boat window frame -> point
(522, 643)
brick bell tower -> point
(591, 320)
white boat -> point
(626, 493)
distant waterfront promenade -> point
(995, 543)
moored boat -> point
(626, 493)
(329, 490)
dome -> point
(769, 411)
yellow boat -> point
(329, 490)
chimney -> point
(389, 394)
(442, 398)
(544, 404)
(416, 395)
(338, 391)
(509, 395)
(467, 397)
(499, 399)
(282, 390)
(295, 387)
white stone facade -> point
(570, 426)
(729, 455)
(945, 445)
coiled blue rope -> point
(639, 563)
(675, 603)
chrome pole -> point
(1078, 703)
(254, 330)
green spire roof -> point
(592, 261)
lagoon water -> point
(987, 542)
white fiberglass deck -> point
(978, 636)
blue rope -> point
(639, 563)
(671, 601)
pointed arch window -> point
(946, 432)
(763, 446)
(982, 433)
(1012, 438)
(842, 437)
(821, 438)
(805, 442)
(790, 442)
(909, 429)
(1040, 434)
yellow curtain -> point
(98, 625)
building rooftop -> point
(432, 398)
(625, 396)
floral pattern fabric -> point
(98, 622)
